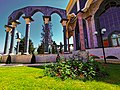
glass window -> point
(115, 39)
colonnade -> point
(11, 29)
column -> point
(74, 40)
(68, 37)
(78, 5)
(93, 30)
(47, 32)
(64, 22)
(89, 32)
(80, 23)
(8, 29)
(14, 25)
(27, 34)
(18, 44)
(68, 45)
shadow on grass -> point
(113, 71)
(40, 67)
(113, 76)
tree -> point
(61, 46)
(22, 44)
(40, 49)
(46, 35)
(54, 48)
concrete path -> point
(2, 65)
(39, 64)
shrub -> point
(33, 59)
(8, 61)
(0, 58)
(75, 68)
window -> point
(115, 39)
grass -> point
(32, 78)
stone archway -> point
(29, 12)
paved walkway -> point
(1, 65)
(39, 64)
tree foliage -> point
(22, 45)
(54, 48)
(40, 49)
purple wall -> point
(110, 20)
(82, 3)
(74, 9)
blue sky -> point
(8, 6)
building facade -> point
(89, 16)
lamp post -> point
(102, 31)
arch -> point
(102, 8)
(36, 32)
(57, 12)
(19, 15)
(109, 36)
(105, 5)
(57, 32)
(35, 11)
(15, 15)
(31, 10)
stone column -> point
(78, 5)
(27, 34)
(81, 31)
(74, 40)
(89, 32)
(8, 29)
(64, 22)
(93, 30)
(18, 43)
(47, 30)
(68, 45)
(14, 25)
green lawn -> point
(31, 78)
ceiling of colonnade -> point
(8, 6)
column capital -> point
(79, 15)
(88, 18)
(28, 19)
(15, 23)
(8, 28)
(18, 39)
(46, 19)
(64, 22)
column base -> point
(5, 54)
(26, 53)
(19, 53)
(66, 52)
(46, 52)
(11, 54)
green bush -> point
(8, 61)
(0, 58)
(33, 59)
(75, 68)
